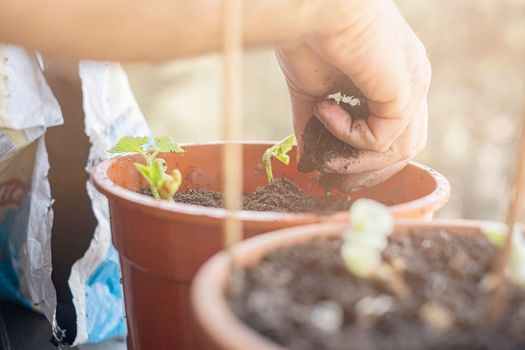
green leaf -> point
(166, 144)
(495, 232)
(368, 216)
(159, 169)
(147, 172)
(365, 239)
(497, 235)
(361, 261)
(284, 158)
(370, 224)
(130, 144)
(516, 268)
(279, 151)
(170, 185)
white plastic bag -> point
(110, 113)
(27, 109)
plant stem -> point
(154, 192)
(146, 158)
(267, 160)
(152, 156)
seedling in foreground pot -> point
(279, 151)
(162, 185)
(364, 241)
(515, 269)
(370, 225)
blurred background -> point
(477, 50)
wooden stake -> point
(232, 119)
(517, 190)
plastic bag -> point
(27, 109)
(110, 113)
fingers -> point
(382, 57)
(374, 133)
(407, 145)
(388, 63)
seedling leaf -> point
(147, 172)
(161, 185)
(497, 234)
(370, 224)
(130, 144)
(166, 144)
(279, 151)
(516, 268)
(159, 168)
(362, 262)
(170, 185)
(372, 217)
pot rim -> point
(428, 203)
(210, 308)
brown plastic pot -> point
(162, 245)
(220, 329)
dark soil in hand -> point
(303, 297)
(280, 196)
(320, 146)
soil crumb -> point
(304, 298)
(281, 195)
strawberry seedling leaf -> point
(166, 144)
(130, 144)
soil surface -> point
(320, 146)
(281, 195)
(303, 297)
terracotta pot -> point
(163, 244)
(218, 326)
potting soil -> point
(281, 195)
(303, 297)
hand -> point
(378, 52)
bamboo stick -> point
(498, 295)
(232, 119)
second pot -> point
(220, 329)
(162, 245)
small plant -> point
(370, 225)
(364, 241)
(162, 185)
(515, 270)
(279, 151)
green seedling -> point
(279, 151)
(162, 185)
(363, 243)
(370, 225)
(515, 270)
